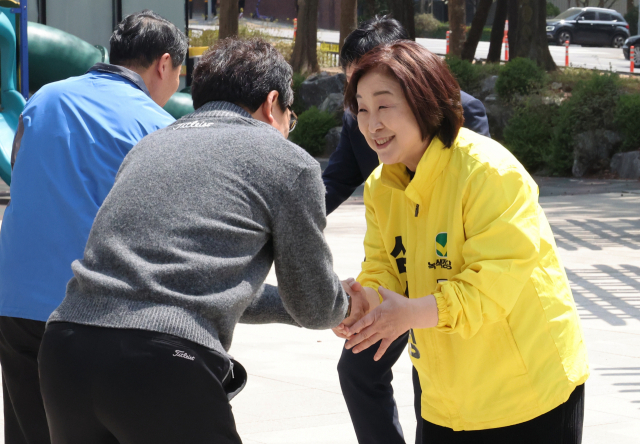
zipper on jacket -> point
(417, 209)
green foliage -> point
(426, 24)
(466, 73)
(298, 106)
(313, 125)
(529, 133)
(552, 10)
(626, 120)
(592, 104)
(632, 18)
(519, 76)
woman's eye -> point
(382, 107)
(362, 110)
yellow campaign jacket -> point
(469, 230)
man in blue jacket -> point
(72, 138)
(365, 383)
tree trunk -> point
(475, 33)
(497, 32)
(228, 18)
(348, 18)
(305, 58)
(369, 8)
(531, 38)
(512, 16)
(422, 8)
(402, 11)
(457, 26)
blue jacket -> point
(353, 161)
(76, 134)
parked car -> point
(588, 27)
(631, 41)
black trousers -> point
(25, 421)
(116, 386)
(562, 425)
(366, 387)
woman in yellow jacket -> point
(460, 253)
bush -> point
(591, 106)
(632, 18)
(298, 106)
(466, 73)
(626, 118)
(519, 76)
(552, 10)
(426, 25)
(313, 125)
(529, 132)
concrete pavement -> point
(293, 394)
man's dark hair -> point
(369, 34)
(242, 72)
(141, 38)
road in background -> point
(582, 57)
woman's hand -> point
(363, 300)
(395, 316)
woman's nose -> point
(374, 123)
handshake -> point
(371, 321)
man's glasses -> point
(293, 119)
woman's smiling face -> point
(387, 121)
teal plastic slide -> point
(53, 55)
(11, 101)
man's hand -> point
(361, 304)
(396, 315)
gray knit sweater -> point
(198, 213)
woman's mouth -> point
(383, 143)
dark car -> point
(588, 27)
(631, 41)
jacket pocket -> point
(510, 343)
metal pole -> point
(632, 57)
(566, 53)
(116, 12)
(42, 12)
(23, 48)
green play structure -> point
(11, 101)
(52, 55)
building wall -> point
(283, 10)
(91, 20)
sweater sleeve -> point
(267, 308)
(501, 222)
(310, 291)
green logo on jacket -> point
(441, 245)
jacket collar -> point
(131, 76)
(431, 165)
(222, 109)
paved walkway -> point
(293, 395)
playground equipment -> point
(53, 55)
(11, 101)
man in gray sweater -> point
(178, 254)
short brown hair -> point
(432, 92)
